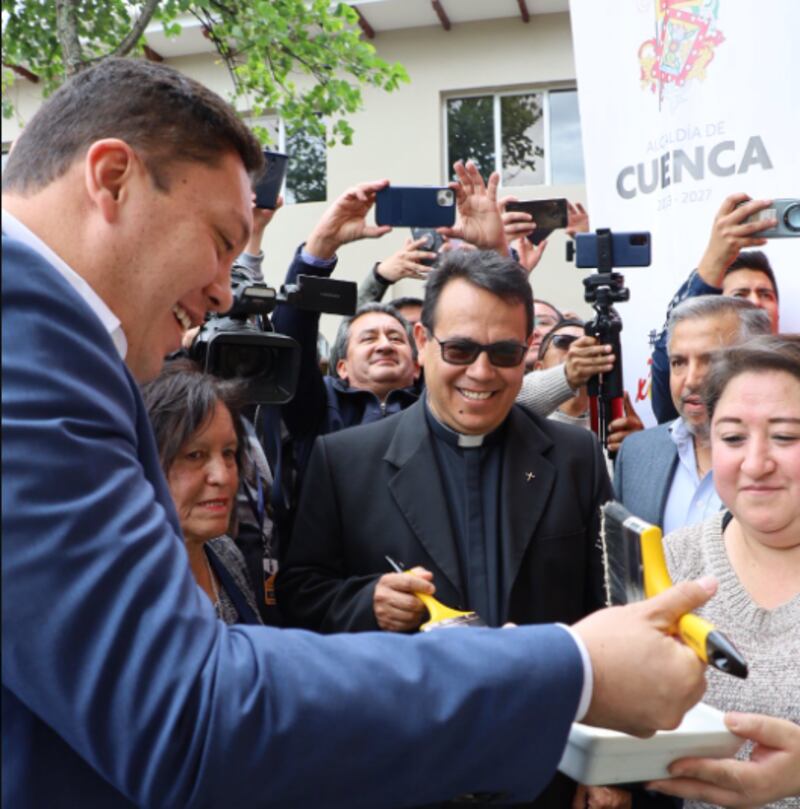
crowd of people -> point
(187, 584)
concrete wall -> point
(399, 135)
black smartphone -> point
(268, 186)
(432, 245)
(415, 206)
(548, 214)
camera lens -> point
(444, 197)
(244, 361)
(791, 217)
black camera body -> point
(241, 344)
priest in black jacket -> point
(497, 509)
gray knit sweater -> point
(769, 639)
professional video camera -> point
(605, 250)
(242, 344)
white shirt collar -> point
(14, 229)
(463, 440)
(680, 435)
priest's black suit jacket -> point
(375, 490)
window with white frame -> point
(531, 137)
(307, 169)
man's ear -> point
(110, 165)
(421, 339)
(341, 370)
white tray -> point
(598, 756)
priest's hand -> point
(397, 608)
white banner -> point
(682, 103)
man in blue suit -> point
(126, 200)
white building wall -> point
(400, 135)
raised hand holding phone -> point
(479, 220)
(346, 221)
(412, 260)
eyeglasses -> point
(563, 341)
(503, 354)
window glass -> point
(307, 172)
(307, 169)
(470, 132)
(506, 131)
(566, 146)
(522, 134)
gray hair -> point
(752, 320)
(342, 340)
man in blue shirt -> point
(663, 474)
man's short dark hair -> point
(165, 116)
(342, 341)
(407, 300)
(753, 260)
(181, 400)
(485, 269)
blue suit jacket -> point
(119, 687)
(643, 472)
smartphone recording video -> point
(415, 206)
(268, 186)
(548, 214)
(786, 211)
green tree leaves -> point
(303, 60)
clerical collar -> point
(456, 439)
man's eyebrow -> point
(773, 420)
(764, 288)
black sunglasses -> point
(503, 354)
(563, 341)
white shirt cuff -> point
(588, 675)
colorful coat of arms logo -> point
(686, 36)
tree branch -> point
(222, 49)
(22, 71)
(129, 42)
(67, 32)
(317, 72)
